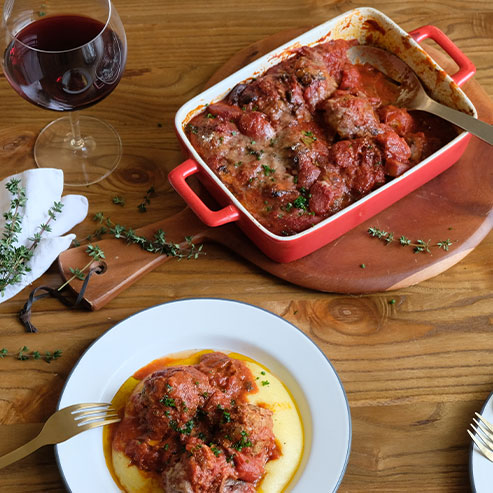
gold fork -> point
(483, 437)
(65, 424)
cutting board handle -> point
(177, 177)
(126, 263)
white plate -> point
(222, 325)
(480, 468)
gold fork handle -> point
(21, 452)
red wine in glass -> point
(68, 56)
(64, 62)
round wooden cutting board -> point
(457, 205)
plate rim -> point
(471, 449)
(227, 300)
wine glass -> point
(65, 55)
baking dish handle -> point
(177, 177)
(466, 68)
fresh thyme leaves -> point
(118, 200)
(78, 274)
(21, 355)
(158, 244)
(146, 201)
(96, 254)
(15, 257)
(419, 246)
(24, 354)
(49, 357)
(445, 244)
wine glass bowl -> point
(66, 55)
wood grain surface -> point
(414, 370)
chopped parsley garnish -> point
(301, 202)
(216, 451)
(267, 170)
(265, 382)
(243, 442)
(308, 138)
(192, 129)
(253, 152)
(188, 427)
(186, 430)
(167, 401)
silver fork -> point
(65, 424)
(483, 437)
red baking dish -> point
(368, 26)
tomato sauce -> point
(192, 427)
(312, 135)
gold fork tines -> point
(483, 436)
(65, 424)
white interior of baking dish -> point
(356, 24)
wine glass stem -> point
(77, 141)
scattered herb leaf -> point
(419, 246)
(118, 200)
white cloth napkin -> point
(43, 186)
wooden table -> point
(414, 371)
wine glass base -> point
(85, 162)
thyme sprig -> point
(146, 200)
(158, 244)
(118, 200)
(25, 354)
(15, 257)
(95, 253)
(419, 246)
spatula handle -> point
(480, 129)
